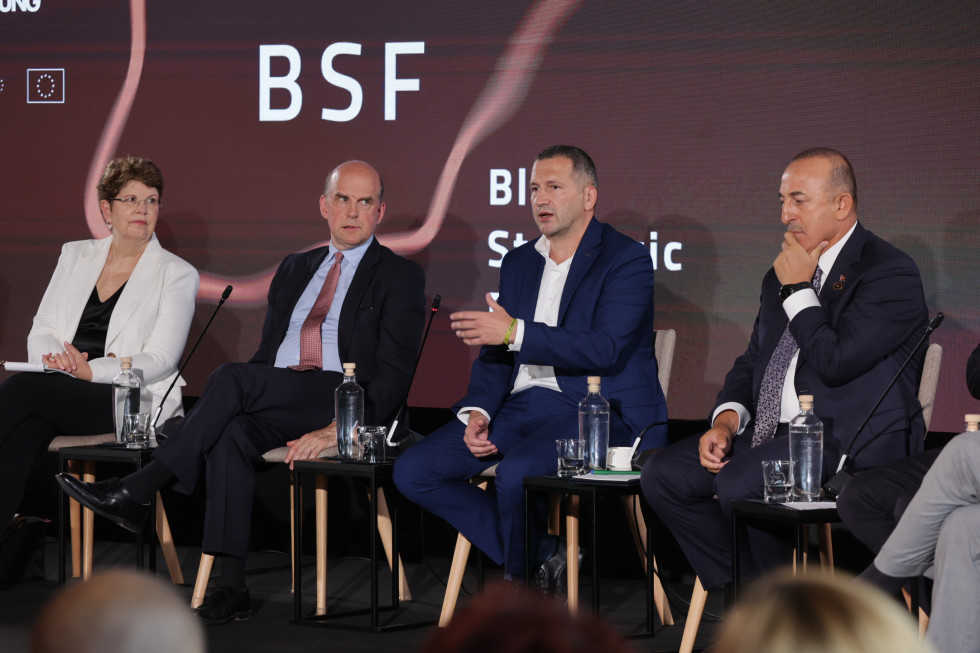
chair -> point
(927, 399)
(278, 455)
(664, 344)
(82, 520)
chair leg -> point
(698, 599)
(455, 581)
(88, 524)
(385, 530)
(167, 544)
(638, 527)
(292, 533)
(201, 584)
(75, 519)
(554, 515)
(826, 541)
(321, 544)
(571, 541)
(923, 623)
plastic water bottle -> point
(593, 425)
(806, 451)
(125, 397)
(348, 411)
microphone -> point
(391, 441)
(835, 485)
(224, 296)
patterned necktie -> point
(310, 339)
(767, 411)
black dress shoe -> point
(109, 498)
(225, 604)
(551, 576)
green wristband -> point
(510, 330)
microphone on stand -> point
(391, 441)
(835, 485)
(224, 296)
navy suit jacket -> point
(872, 313)
(605, 328)
(380, 324)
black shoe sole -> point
(116, 519)
(244, 615)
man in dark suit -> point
(855, 309)
(354, 301)
(577, 301)
(872, 503)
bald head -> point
(361, 167)
(117, 611)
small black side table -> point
(591, 491)
(110, 452)
(758, 510)
(377, 475)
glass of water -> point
(371, 443)
(777, 478)
(137, 429)
(571, 457)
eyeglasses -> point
(131, 202)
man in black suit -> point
(840, 312)
(872, 503)
(367, 306)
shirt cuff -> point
(799, 300)
(464, 413)
(518, 337)
(743, 414)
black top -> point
(94, 324)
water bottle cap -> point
(807, 398)
(594, 380)
(972, 420)
(349, 368)
(126, 362)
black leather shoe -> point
(551, 576)
(225, 604)
(109, 498)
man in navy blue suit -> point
(841, 310)
(359, 302)
(575, 302)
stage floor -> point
(269, 582)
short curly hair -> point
(123, 170)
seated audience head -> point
(117, 611)
(783, 613)
(505, 619)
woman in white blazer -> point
(118, 296)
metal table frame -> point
(115, 453)
(377, 475)
(591, 491)
(758, 510)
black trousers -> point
(34, 409)
(875, 499)
(245, 409)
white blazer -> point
(149, 323)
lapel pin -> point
(840, 283)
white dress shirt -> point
(553, 280)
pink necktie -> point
(310, 339)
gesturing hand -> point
(482, 327)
